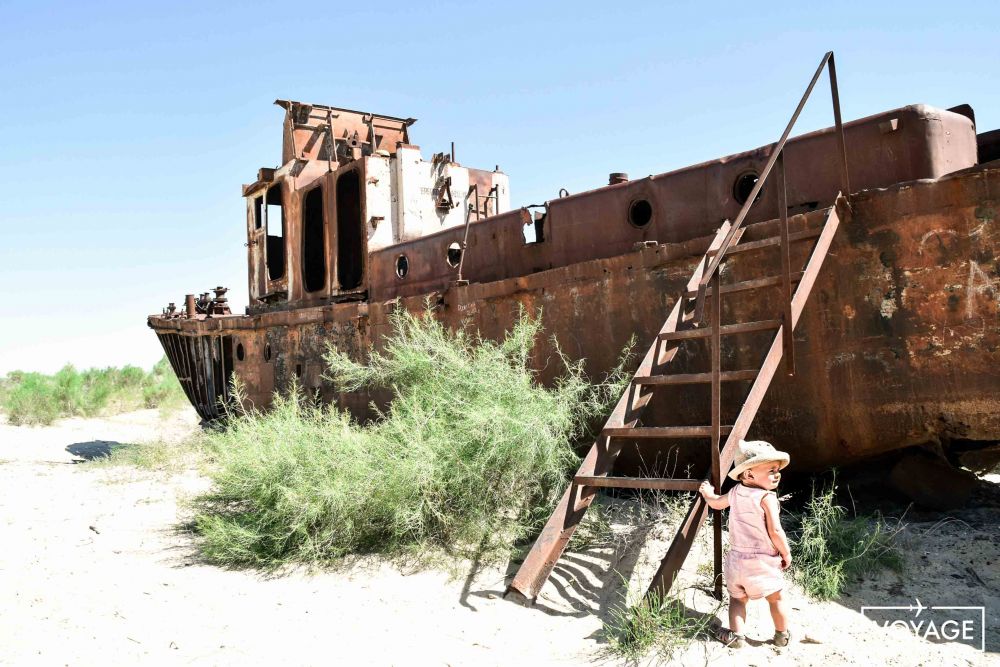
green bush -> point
(470, 456)
(829, 548)
(34, 398)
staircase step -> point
(745, 285)
(663, 432)
(658, 483)
(696, 378)
(770, 241)
(724, 330)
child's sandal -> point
(729, 638)
(782, 638)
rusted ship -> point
(897, 346)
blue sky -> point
(128, 128)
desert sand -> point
(98, 567)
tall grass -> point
(469, 457)
(643, 624)
(830, 549)
(35, 398)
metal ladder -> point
(696, 316)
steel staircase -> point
(696, 318)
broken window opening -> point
(350, 231)
(534, 232)
(313, 241)
(274, 217)
(258, 212)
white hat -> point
(754, 452)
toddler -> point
(758, 548)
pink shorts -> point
(751, 575)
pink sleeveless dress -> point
(752, 566)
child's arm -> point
(714, 501)
(774, 530)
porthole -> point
(267, 352)
(240, 352)
(454, 255)
(744, 185)
(402, 266)
(640, 213)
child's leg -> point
(779, 611)
(737, 614)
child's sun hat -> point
(755, 452)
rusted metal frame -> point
(493, 194)
(331, 150)
(190, 349)
(756, 283)
(225, 375)
(291, 130)
(555, 535)
(804, 235)
(474, 189)
(678, 550)
(724, 330)
(681, 544)
(652, 483)
(184, 362)
(468, 219)
(662, 431)
(371, 130)
(698, 378)
(737, 224)
(169, 343)
(786, 278)
(218, 367)
(716, 351)
(189, 363)
(204, 355)
(845, 179)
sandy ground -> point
(96, 568)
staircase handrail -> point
(845, 186)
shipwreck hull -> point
(897, 346)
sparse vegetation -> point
(469, 457)
(639, 626)
(35, 398)
(829, 548)
(159, 455)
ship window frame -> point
(313, 283)
(351, 230)
(272, 268)
(633, 213)
(453, 254)
(738, 196)
(402, 268)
